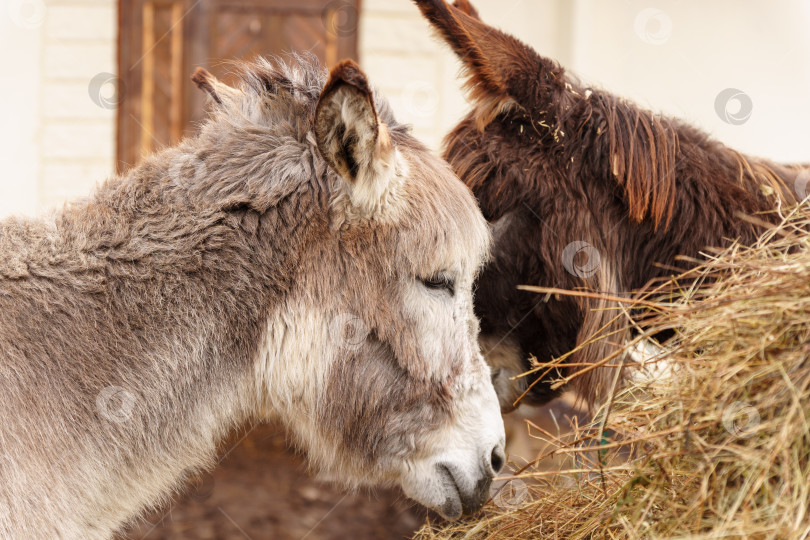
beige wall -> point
(57, 142)
(670, 55)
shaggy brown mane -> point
(643, 150)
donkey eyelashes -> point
(440, 282)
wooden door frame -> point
(191, 45)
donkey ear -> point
(466, 7)
(350, 136)
(500, 68)
(206, 82)
(454, 25)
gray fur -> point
(140, 325)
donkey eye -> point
(439, 282)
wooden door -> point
(162, 41)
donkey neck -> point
(157, 307)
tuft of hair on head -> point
(643, 150)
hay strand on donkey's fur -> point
(720, 447)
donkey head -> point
(371, 358)
(580, 187)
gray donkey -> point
(303, 258)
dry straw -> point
(717, 443)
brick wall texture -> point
(77, 134)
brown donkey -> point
(584, 190)
(302, 258)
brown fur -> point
(576, 163)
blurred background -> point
(88, 87)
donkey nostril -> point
(497, 459)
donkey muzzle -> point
(465, 495)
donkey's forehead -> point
(450, 229)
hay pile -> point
(718, 448)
